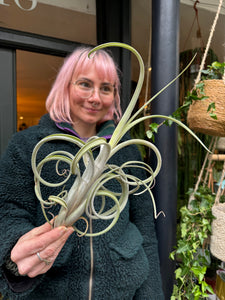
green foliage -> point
(181, 113)
(153, 128)
(214, 71)
(211, 109)
(196, 94)
(191, 252)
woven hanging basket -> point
(221, 144)
(217, 240)
(199, 119)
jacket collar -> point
(105, 129)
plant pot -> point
(199, 119)
(220, 286)
(217, 240)
(221, 144)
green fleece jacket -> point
(126, 264)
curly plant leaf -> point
(92, 182)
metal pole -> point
(165, 66)
(114, 25)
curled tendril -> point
(91, 185)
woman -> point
(38, 262)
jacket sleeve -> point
(141, 214)
(17, 209)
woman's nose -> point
(95, 95)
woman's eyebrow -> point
(106, 83)
(84, 78)
(89, 80)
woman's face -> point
(90, 98)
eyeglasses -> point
(85, 89)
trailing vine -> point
(192, 251)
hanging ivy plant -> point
(192, 251)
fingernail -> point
(71, 229)
(62, 229)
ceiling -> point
(210, 5)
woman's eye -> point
(107, 89)
(84, 85)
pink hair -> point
(58, 104)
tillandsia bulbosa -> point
(90, 183)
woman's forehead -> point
(91, 69)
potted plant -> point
(213, 73)
(207, 116)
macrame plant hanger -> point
(209, 43)
(207, 164)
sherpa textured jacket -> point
(126, 264)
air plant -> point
(90, 183)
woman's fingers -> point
(43, 240)
(38, 270)
(32, 264)
(37, 231)
(53, 249)
(36, 242)
(45, 259)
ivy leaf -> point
(183, 229)
(150, 135)
(168, 122)
(199, 272)
(211, 107)
(207, 288)
(153, 129)
(200, 86)
(172, 255)
(213, 115)
(178, 274)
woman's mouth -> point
(92, 110)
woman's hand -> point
(45, 241)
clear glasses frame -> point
(85, 89)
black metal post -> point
(114, 25)
(7, 97)
(165, 66)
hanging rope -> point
(208, 159)
(209, 42)
(199, 34)
(215, 140)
